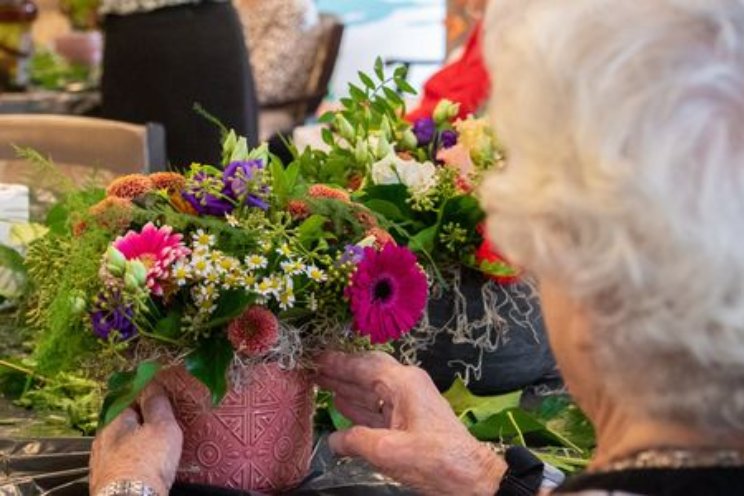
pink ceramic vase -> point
(259, 438)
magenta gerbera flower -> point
(387, 293)
(156, 248)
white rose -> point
(418, 177)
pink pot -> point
(259, 438)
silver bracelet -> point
(127, 488)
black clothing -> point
(158, 64)
(662, 482)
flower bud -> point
(361, 152)
(77, 304)
(383, 148)
(115, 261)
(385, 128)
(138, 270)
(131, 283)
(445, 111)
(409, 140)
(344, 127)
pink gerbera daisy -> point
(387, 293)
(156, 248)
(255, 332)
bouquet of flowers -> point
(249, 262)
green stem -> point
(23, 370)
(522, 442)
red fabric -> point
(465, 81)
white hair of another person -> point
(624, 121)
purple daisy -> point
(203, 192)
(109, 315)
(242, 181)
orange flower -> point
(182, 205)
(172, 182)
(326, 192)
(112, 213)
(298, 209)
(382, 237)
(354, 183)
(130, 187)
(366, 218)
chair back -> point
(332, 33)
(76, 143)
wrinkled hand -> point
(404, 427)
(136, 447)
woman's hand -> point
(136, 447)
(404, 427)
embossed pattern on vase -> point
(259, 438)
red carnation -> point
(255, 332)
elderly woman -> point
(624, 195)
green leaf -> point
(401, 72)
(425, 240)
(327, 136)
(124, 388)
(357, 93)
(405, 87)
(311, 230)
(385, 208)
(465, 403)
(340, 422)
(209, 363)
(392, 96)
(367, 81)
(230, 304)
(465, 211)
(396, 194)
(170, 326)
(12, 273)
(379, 69)
(511, 425)
(57, 218)
(327, 117)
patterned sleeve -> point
(280, 45)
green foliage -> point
(12, 273)
(83, 14)
(124, 388)
(209, 363)
(470, 407)
(51, 71)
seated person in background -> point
(282, 38)
(463, 79)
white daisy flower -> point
(181, 272)
(316, 274)
(202, 239)
(232, 221)
(284, 250)
(286, 298)
(293, 267)
(256, 262)
(201, 266)
(266, 287)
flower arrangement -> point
(253, 261)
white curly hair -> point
(624, 121)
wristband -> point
(524, 474)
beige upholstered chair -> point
(82, 147)
(283, 116)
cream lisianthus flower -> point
(477, 136)
(418, 177)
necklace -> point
(674, 458)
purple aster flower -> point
(424, 129)
(203, 192)
(112, 315)
(448, 138)
(352, 254)
(242, 181)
